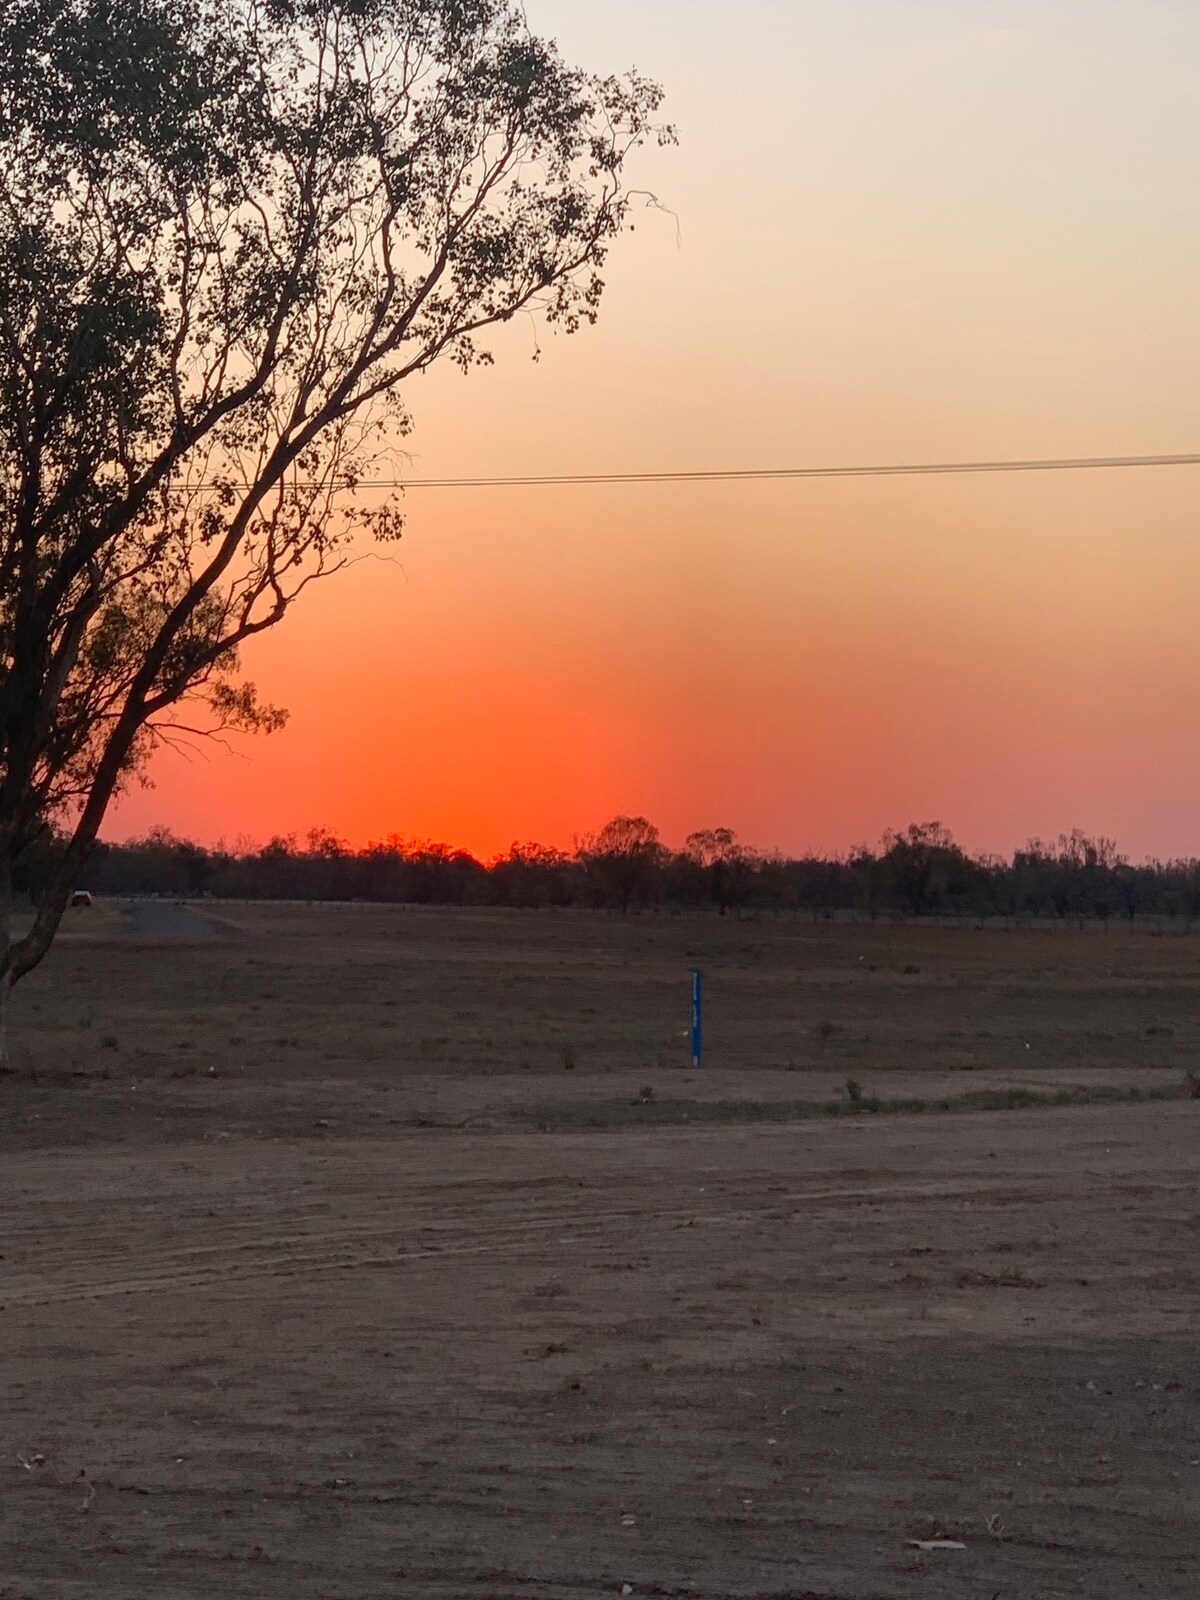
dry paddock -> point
(345, 1257)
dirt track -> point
(163, 919)
(344, 1358)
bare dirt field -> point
(359, 1253)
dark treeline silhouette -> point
(919, 872)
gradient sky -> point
(906, 231)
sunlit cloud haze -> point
(892, 231)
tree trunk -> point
(5, 947)
(5, 991)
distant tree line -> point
(917, 872)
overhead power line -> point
(752, 475)
(926, 469)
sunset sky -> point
(900, 231)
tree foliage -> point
(621, 859)
(726, 868)
(230, 231)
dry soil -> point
(345, 1257)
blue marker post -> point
(697, 1018)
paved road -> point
(161, 919)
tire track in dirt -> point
(81, 1276)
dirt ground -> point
(345, 1256)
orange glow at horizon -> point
(902, 238)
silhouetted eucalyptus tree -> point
(913, 863)
(622, 860)
(229, 231)
(726, 867)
